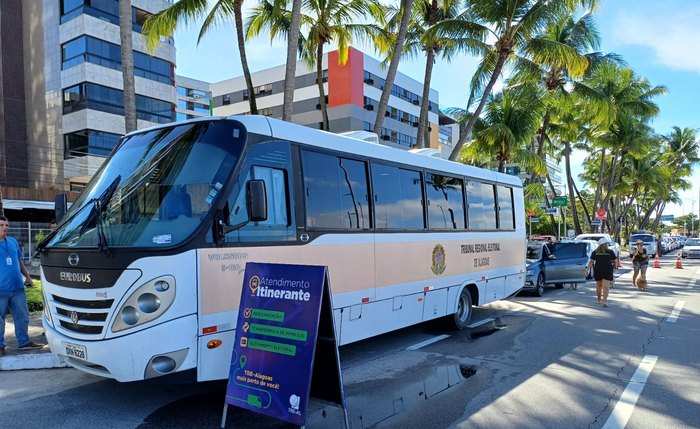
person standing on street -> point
(640, 263)
(12, 294)
(604, 260)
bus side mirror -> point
(256, 196)
(60, 206)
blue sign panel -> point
(276, 336)
(596, 222)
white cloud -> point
(670, 32)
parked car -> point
(650, 243)
(542, 238)
(555, 264)
(595, 237)
(691, 248)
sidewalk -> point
(16, 359)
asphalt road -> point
(551, 362)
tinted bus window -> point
(445, 202)
(481, 206)
(336, 192)
(398, 198)
(505, 208)
(353, 194)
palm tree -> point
(624, 102)
(127, 52)
(165, 22)
(324, 22)
(427, 13)
(557, 56)
(406, 10)
(291, 64)
(508, 126)
(511, 23)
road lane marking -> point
(691, 284)
(427, 342)
(480, 322)
(625, 406)
(676, 312)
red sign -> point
(531, 213)
(601, 214)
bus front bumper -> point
(159, 350)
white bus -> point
(143, 276)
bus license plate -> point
(76, 351)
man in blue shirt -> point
(12, 293)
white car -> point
(691, 248)
(595, 237)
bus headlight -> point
(146, 303)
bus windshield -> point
(155, 189)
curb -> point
(30, 361)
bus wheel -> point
(464, 310)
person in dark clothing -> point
(604, 260)
(640, 263)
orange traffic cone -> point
(657, 263)
(679, 265)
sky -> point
(659, 39)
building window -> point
(105, 54)
(227, 100)
(105, 10)
(97, 97)
(89, 142)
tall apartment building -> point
(193, 98)
(353, 91)
(61, 90)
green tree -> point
(509, 124)
(510, 24)
(165, 22)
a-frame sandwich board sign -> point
(285, 348)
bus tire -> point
(463, 316)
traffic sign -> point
(601, 214)
(531, 213)
(560, 201)
(552, 211)
(534, 219)
(596, 222)
(667, 218)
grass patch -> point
(35, 299)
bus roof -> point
(276, 128)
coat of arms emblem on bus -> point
(438, 259)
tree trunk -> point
(583, 205)
(569, 185)
(407, 6)
(291, 67)
(321, 90)
(127, 51)
(240, 39)
(466, 133)
(540, 142)
(599, 185)
(423, 121)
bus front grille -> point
(82, 317)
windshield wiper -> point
(96, 215)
